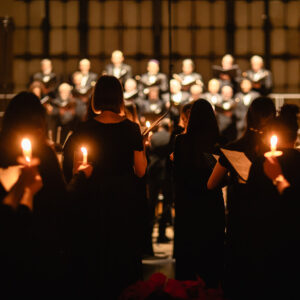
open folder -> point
(155, 123)
(239, 162)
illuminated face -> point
(64, 92)
(77, 79)
(227, 62)
(46, 66)
(246, 86)
(227, 92)
(187, 67)
(130, 85)
(153, 67)
(213, 86)
(175, 86)
(196, 91)
(256, 64)
(117, 57)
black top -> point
(110, 146)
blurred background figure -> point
(213, 95)
(49, 79)
(175, 100)
(153, 77)
(88, 79)
(228, 73)
(188, 77)
(226, 116)
(261, 78)
(244, 99)
(196, 92)
(118, 68)
(131, 94)
(66, 113)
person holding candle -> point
(273, 191)
(25, 117)
(110, 213)
(259, 114)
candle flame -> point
(83, 150)
(148, 124)
(274, 140)
(26, 146)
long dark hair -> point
(286, 124)
(260, 113)
(202, 126)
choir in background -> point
(230, 91)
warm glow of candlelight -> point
(274, 140)
(84, 155)
(148, 124)
(27, 152)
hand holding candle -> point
(273, 152)
(148, 124)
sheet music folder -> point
(217, 70)
(239, 162)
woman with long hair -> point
(199, 213)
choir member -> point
(273, 240)
(196, 92)
(252, 144)
(153, 105)
(153, 77)
(158, 178)
(226, 116)
(66, 113)
(176, 99)
(47, 77)
(199, 213)
(118, 68)
(88, 79)
(244, 98)
(213, 95)
(131, 95)
(261, 78)
(78, 90)
(188, 77)
(228, 73)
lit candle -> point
(27, 152)
(273, 151)
(84, 155)
(148, 124)
(273, 143)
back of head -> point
(108, 94)
(24, 113)
(202, 126)
(259, 113)
(286, 124)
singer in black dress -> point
(199, 213)
(109, 214)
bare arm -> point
(216, 176)
(140, 163)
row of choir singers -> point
(228, 73)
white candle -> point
(27, 152)
(84, 155)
